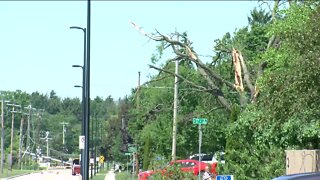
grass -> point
(125, 176)
(100, 175)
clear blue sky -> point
(37, 48)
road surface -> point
(61, 174)
(58, 174)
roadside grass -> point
(125, 176)
(100, 175)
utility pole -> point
(63, 131)
(47, 140)
(36, 135)
(138, 108)
(28, 128)
(20, 142)
(175, 109)
(138, 91)
(12, 127)
(2, 133)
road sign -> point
(224, 177)
(81, 142)
(199, 121)
(132, 149)
(101, 159)
(127, 154)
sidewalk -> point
(110, 175)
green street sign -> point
(132, 149)
(199, 121)
(127, 154)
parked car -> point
(76, 167)
(187, 165)
(300, 176)
(209, 158)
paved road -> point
(63, 174)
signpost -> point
(199, 121)
(133, 150)
(128, 154)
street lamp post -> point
(82, 125)
(84, 160)
(86, 87)
(87, 90)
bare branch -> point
(154, 80)
(267, 3)
(205, 71)
(208, 74)
(180, 77)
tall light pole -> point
(87, 89)
(83, 159)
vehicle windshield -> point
(196, 158)
(207, 158)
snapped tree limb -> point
(185, 51)
(180, 77)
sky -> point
(38, 49)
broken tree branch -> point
(180, 77)
(246, 75)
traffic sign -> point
(132, 149)
(127, 154)
(199, 121)
(91, 160)
(224, 177)
(81, 142)
(101, 159)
